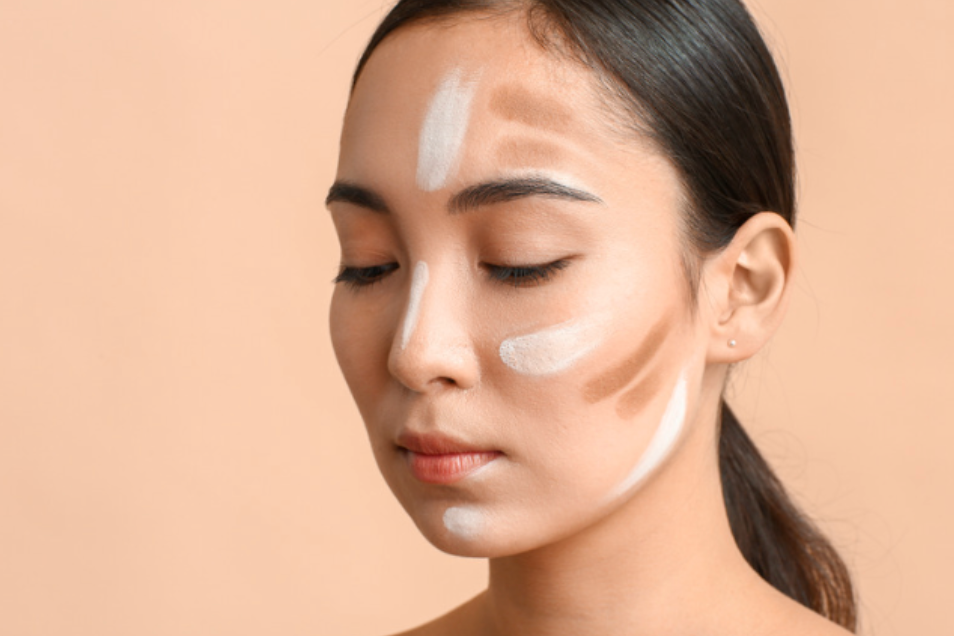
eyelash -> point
(513, 275)
(525, 275)
(363, 277)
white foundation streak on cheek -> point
(418, 285)
(663, 441)
(551, 350)
(465, 522)
(445, 127)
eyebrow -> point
(346, 192)
(506, 190)
(471, 198)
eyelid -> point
(362, 277)
(522, 275)
(525, 275)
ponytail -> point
(776, 538)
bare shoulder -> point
(769, 611)
(811, 624)
(799, 620)
(461, 621)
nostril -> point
(431, 366)
(432, 348)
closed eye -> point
(525, 275)
(514, 275)
(360, 277)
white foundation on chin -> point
(663, 440)
(444, 130)
(418, 285)
(551, 350)
(465, 522)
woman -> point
(561, 221)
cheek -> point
(553, 350)
(611, 393)
(665, 436)
(617, 377)
(360, 342)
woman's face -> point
(512, 316)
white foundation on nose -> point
(466, 522)
(445, 127)
(418, 285)
(663, 440)
(552, 350)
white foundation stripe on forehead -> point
(664, 439)
(418, 285)
(466, 522)
(551, 350)
(444, 130)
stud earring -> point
(732, 343)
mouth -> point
(438, 459)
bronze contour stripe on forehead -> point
(471, 198)
(521, 105)
(618, 377)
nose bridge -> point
(433, 343)
(420, 279)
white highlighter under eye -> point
(554, 349)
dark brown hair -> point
(697, 78)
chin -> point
(462, 530)
(470, 531)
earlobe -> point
(748, 286)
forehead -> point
(531, 109)
(519, 82)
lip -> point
(435, 458)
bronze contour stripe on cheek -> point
(635, 399)
(663, 440)
(617, 378)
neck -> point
(664, 560)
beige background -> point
(178, 454)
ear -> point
(748, 285)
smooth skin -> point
(565, 556)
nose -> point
(432, 348)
